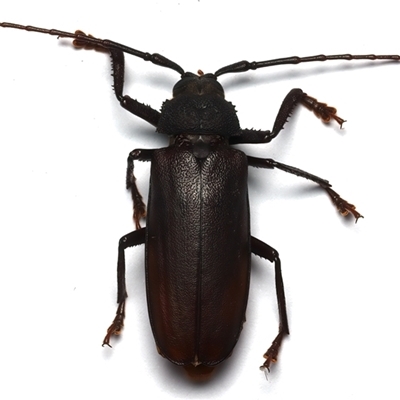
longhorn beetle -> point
(197, 234)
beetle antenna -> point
(243, 66)
(88, 41)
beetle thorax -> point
(198, 107)
(198, 114)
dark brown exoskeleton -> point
(197, 234)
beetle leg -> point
(343, 206)
(139, 208)
(292, 99)
(139, 109)
(131, 239)
(89, 42)
(116, 50)
(265, 251)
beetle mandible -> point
(197, 234)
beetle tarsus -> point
(139, 210)
(343, 206)
(322, 110)
(82, 44)
(116, 327)
(271, 355)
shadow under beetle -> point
(197, 234)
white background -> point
(63, 147)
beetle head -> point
(192, 84)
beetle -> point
(197, 235)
